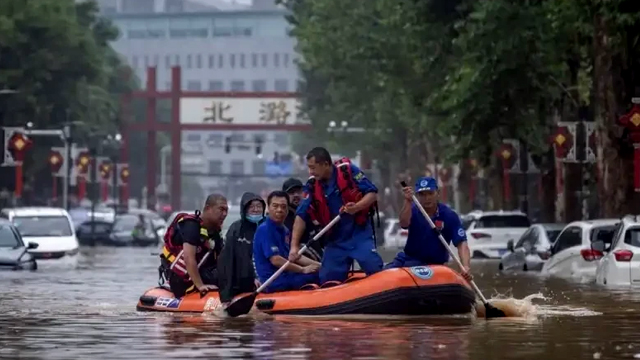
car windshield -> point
(603, 233)
(125, 223)
(96, 227)
(503, 221)
(44, 226)
(8, 238)
(632, 237)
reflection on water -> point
(86, 308)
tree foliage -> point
(453, 78)
(56, 54)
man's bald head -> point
(214, 211)
(214, 199)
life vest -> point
(172, 253)
(319, 209)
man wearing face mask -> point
(295, 189)
(235, 267)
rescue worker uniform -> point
(423, 246)
(235, 267)
(188, 228)
(352, 238)
(274, 239)
(315, 250)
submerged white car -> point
(50, 228)
(572, 255)
(618, 263)
(488, 233)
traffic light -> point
(227, 144)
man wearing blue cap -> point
(423, 246)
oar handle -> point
(444, 242)
(300, 252)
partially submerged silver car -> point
(532, 249)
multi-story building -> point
(220, 46)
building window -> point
(177, 60)
(212, 59)
(232, 60)
(220, 61)
(215, 85)
(254, 60)
(189, 64)
(281, 139)
(237, 167)
(198, 61)
(242, 61)
(167, 61)
(215, 167)
(285, 60)
(281, 85)
(259, 85)
(265, 58)
(259, 167)
(276, 60)
(193, 137)
(194, 85)
(237, 85)
(156, 60)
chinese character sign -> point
(240, 111)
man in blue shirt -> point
(271, 246)
(423, 246)
(328, 194)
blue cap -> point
(426, 183)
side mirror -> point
(31, 245)
(598, 245)
(510, 245)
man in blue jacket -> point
(335, 188)
(271, 247)
(423, 246)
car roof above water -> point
(36, 211)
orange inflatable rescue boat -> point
(419, 290)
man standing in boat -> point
(192, 245)
(423, 246)
(271, 245)
(335, 188)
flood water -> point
(87, 310)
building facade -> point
(232, 50)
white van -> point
(51, 228)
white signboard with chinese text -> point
(240, 111)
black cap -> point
(291, 184)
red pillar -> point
(176, 90)
(152, 152)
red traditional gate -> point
(275, 113)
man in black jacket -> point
(294, 188)
(236, 272)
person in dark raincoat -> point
(236, 270)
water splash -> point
(526, 309)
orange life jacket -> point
(319, 209)
(172, 252)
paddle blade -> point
(493, 312)
(241, 306)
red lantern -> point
(19, 144)
(55, 161)
(632, 122)
(444, 174)
(562, 141)
(105, 170)
(124, 174)
(84, 159)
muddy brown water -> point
(86, 310)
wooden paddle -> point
(492, 311)
(244, 304)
